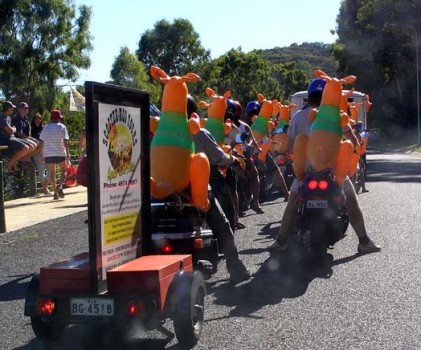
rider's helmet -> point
(253, 108)
(238, 109)
(231, 109)
(191, 105)
(315, 91)
(316, 86)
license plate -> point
(316, 204)
(92, 307)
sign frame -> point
(125, 103)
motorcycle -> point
(179, 227)
(322, 214)
(285, 165)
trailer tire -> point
(45, 331)
(188, 301)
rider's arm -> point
(349, 135)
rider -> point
(218, 222)
(300, 124)
(234, 111)
(253, 109)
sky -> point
(221, 24)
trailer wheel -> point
(188, 307)
(45, 331)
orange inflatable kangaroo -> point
(216, 114)
(324, 147)
(281, 137)
(262, 125)
(174, 164)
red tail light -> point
(46, 306)
(167, 248)
(134, 309)
(281, 161)
(312, 185)
(323, 185)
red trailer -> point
(118, 281)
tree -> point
(128, 71)
(377, 44)
(246, 75)
(175, 47)
(41, 42)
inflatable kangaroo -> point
(281, 137)
(323, 148)
(262, 125)
(216, 113)
(174, 164)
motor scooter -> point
(179, 227)
(322, 218)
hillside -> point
(307, 56)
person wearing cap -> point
(21, 148)
(56, 150)
(23, 131)
(300, 124)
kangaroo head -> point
(285, 111)
(174, 97)
(218, 106)
(344, 100)
(267, 106)
(332, 93)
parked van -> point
(300, 99)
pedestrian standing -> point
(56, 150)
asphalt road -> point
(352, 302)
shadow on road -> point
(15, 289)
(282, 275)
(94, 337)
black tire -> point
(46, 331)
(357, 181)
(188, 313)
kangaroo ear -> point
(158, 74)
(320, 74)
(210, 92)
(292, 106)
(260, 97)
(349, 79)
(203, 104)
(191, 77)
(227, 94)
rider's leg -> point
(222, 231)
(288, 220)
(278, 178)
(356, 219)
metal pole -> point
(2, 211)
(418, 91)
(418, 86)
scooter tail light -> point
(312, 185)
(46, 306)
(323, 185)
(198, 243)
(167, 248)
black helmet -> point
(191, 105)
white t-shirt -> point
(53, 135)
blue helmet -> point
(316, 85)
(253, 107)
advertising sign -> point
(118, 170)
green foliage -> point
(128, 71)
(41, 42)
(175, 47)
(377, 43)
(246, 75)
